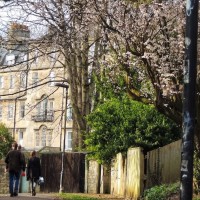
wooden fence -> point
(132, 174)
(163, 164)
(73, 176)
(128, 176)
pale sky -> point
(15, 14)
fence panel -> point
(73, 176)
(163, 164)
(135, 173)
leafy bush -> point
(196, 171)
(118, 124)
(161, 192)
(6, 140)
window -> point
(35, 78)
(43, 107)
(10, 59)
(22, 109)
(36, 56)
(44, 134)
(51, 79)
(37, 139)
(1, 112)
(23, 80)
(21, 137)
(11, 81)
(69, 111)
(1, 82)
(68, 140)
(23, 57)
(43, 137)
(50, 106)
(10, 111)
(44, 110)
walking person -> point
(33, 171)
(14, 161)
(24, 163)
(23, 166)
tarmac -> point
(27, 196)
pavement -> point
(27, 196)
(53, 196)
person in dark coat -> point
(24, 163)
(14, 161)
(23, 166)
(33, 171)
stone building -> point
(31, 105)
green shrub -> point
(161, 192)
(118, 124)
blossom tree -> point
(148, 43)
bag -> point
(23, 174)
(41, 181)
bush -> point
(161, 192)
(118, 124)
(6, 140)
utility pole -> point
(189, 96)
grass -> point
(67, 196)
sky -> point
(14, 14)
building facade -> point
(31, 105)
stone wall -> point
(3, 179)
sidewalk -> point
(52, 196)
(27, 196)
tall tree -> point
(67, 27)
(148, 43)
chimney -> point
(17, 34)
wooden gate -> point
(73, 176)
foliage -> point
(161, 192)
(196, 172)
(5, 140)
(118, 124)
(67, 196)
(148, 42)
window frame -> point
(23, 78)
(22, 109)
(52, 79)
(21, 139)
(11, 85)
(10, 111)
(35, 78)
(1, 82)
(68, 140)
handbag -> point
(23, 174)
(41, 180)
